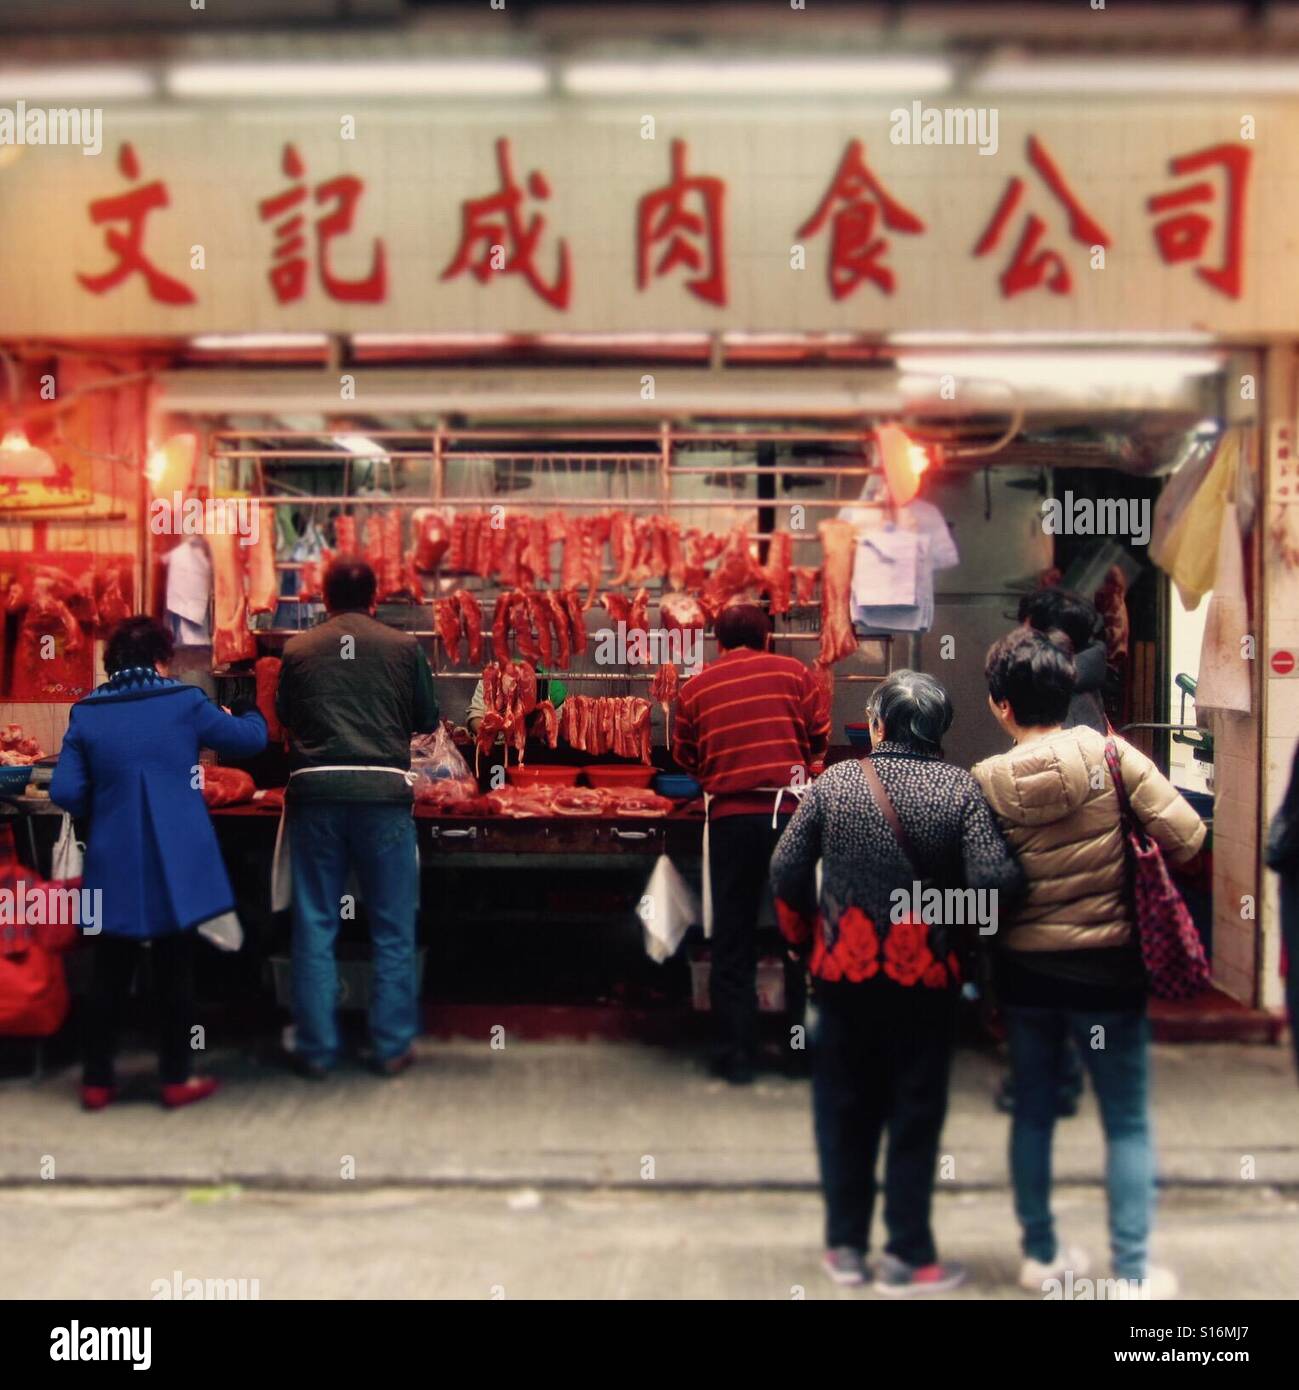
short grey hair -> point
(914, 709)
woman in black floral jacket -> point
(886, 933)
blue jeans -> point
(377, 839)
(1118, 1061)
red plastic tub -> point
(550, 775)
(619, 775)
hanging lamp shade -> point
(20, 459)
(171, 465)
(903, 461)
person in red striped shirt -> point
(748, 726)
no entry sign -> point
(1282, 662)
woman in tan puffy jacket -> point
(1067, 964)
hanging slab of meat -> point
(824, 679)
(459, 543)
(837, 549)
(535, 557)
(641, 729)
(345, 535)
(777, 573)
(682, 613)
(539, 614)
(622, 547)
(805, 577)
(672, 554)
(310, 583)
(446, 611)
(231, 640)
(642, 562)
(526, 686)
(373, 546)
(471, 623)
(501, 628)
(546, 723)
(664, 688)
(259, 560)
(638, 619)
(392, 578)
(432, 539)
(492, 686)
(480, 549)
(735, 572)
(266, 670)
(521, 625)
(618, 607)
(592, 555)
(492, 725)
(558, 615)
(572, 569)
(576, 621)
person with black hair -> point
(1047, 610)
(749, 726)
(352, 692)
(128, 764)
(1068, 964)
(887, 978)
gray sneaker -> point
(846, 1265)
(896, 1279)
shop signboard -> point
(1126, 217)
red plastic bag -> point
(33, 987)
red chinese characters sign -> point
(512, 232)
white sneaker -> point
(1033, 1274)
(1159, 1283)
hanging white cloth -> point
(1225, 667)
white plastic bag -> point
(69, 855)
(667, 908)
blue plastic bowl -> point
(14, 779)
(678, 785)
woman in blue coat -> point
(130, 762)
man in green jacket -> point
(352, 692)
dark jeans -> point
(377, 839)
(739, 855)
(1114, 1048)
(1290, 936)
(881, 1057)
(172, 965)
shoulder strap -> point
(1128, 821)
(889, 812)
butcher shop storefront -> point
(571, 386)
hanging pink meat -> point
(805, 577)
(373, 545)
(777, 576)
(432, 539)
(576, 621)
(592, 555)
(535, 557)
(525, 687)
(838, 545)
(546, 724)
(682, 613)
(501, 628)
(266, 671)
(471, 623)
(390, 572)
(459, 543)
(622, 547)
(345, 535)
(735, 572)
(492, 686)
(521, 623)
(558, 615)
(618, 607)
(447, 614)
(113, 593)
(539, 615)
(259, 561)
(231, 640)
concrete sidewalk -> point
(599, 1115)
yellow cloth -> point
(1189, 554)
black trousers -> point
(739, 857)
(1290, 935)
(172, 966)
(881, 1058)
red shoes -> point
(97, 1097)
(187, 1092)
